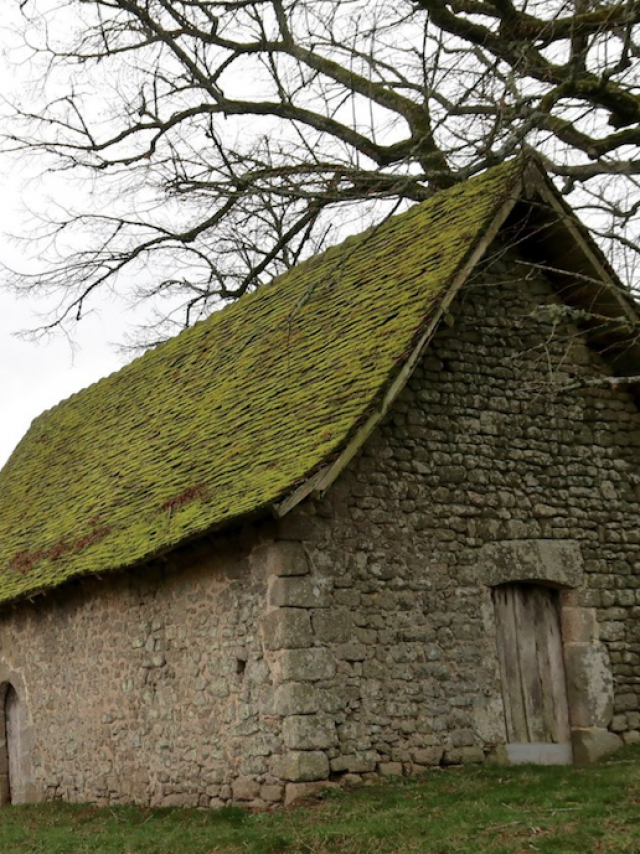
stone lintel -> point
(555, 562)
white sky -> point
(34, 377)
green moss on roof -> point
(231, 415)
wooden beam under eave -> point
(580, 275)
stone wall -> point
(358, 638)
(149, 686)
(486, 449)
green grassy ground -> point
(478, 810)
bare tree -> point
(220, 142)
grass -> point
(481, 810)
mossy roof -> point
(232, 415)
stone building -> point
(380, 515)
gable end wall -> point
(486, 471)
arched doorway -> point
(12, 759)
(532, 673)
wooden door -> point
(14, 744)
(532, 671)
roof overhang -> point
(580, 274)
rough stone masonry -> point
(356, 637)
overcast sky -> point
(35, 377)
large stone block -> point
(589, 684)
(354, 763)
(305, 766)
(307, 665)
(579, 625)
(286, 628)
(351, 651)
(271, 793)
(280, 558)
(309, 732)
(299, 592)
(296, 698)
(555, 561)
(390, 769)
(298, 525)
(427, 755)
(589, 745)
(245, 789)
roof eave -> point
(588, 282)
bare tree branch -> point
(229, 139)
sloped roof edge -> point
(323, 479)
(169, 449)
(534, 186)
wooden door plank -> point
(528, 659)
(557, 677)
(500, 606)
(542, 599)
(507, 634)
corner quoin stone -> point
(298, 592)
(307, 665)
(286, 628)
(305, 766)
(309, 732)
(283, 558)
(296, 698)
